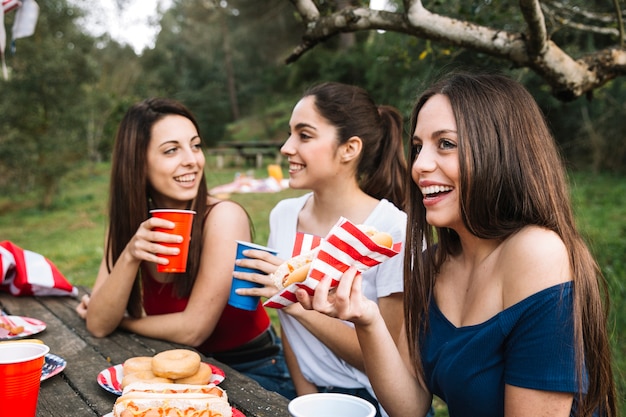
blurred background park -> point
(68, 88)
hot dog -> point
(297, 268)
(145, 400)
(293, 270)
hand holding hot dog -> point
(346, 301)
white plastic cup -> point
(330, 405)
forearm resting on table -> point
(396, 387)
(109, 296)
(174, 327)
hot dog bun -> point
(380, 238)
(294, 269)
(140, 399)
(297, 268)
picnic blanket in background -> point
(29, 273)
(344, 246)
(248, 184)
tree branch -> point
(307, 9)
(569, 77)
(620, 22)
(565, 16)
(536, 34)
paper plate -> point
(111, 378)
(53, 365)
(31, 326)
(236, 413)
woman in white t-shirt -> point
(349, 152)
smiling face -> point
(436, 168)
(175, 162)
(312, 147)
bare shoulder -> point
(532, 260)
(220, 208)
(227, 215)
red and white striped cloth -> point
(29, 273)
(8, 5)
(344, 246)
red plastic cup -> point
(20, 372)
(183, 220)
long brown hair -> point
(511, 176)
(129, 193)
(382, 166)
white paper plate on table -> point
(53, 365)
(111, 378)
(31, 326)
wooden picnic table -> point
(76, 392)
(251, 151)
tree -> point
(221, 58)
(42, 131)
(525, 38)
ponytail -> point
(382, 167)
(384, 176)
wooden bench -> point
(221, 154)
(255, 156)
(247, 153)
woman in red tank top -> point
(158, 163)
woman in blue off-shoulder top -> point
(505, 308)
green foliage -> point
(599, 202)
(220, 59)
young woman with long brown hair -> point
(157, 163)
(505, 309)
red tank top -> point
(234, 328)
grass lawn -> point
(71, 234)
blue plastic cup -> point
(246, 302)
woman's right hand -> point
(146, 244)
(262, 261)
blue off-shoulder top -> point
(530, 345)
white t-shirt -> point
(319, 364)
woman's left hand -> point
(81, 308)
(264, 262)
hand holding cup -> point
(250, 280)
(183, 220)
